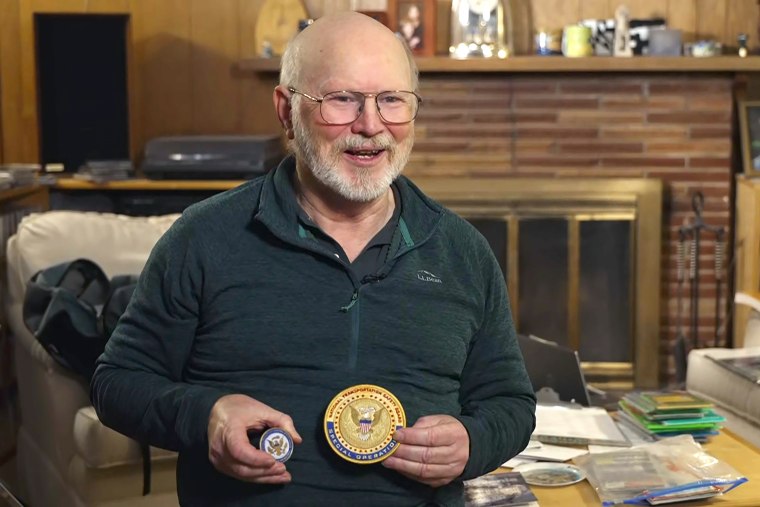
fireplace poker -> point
(694, 231)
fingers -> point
(274, 473)
(434, 451)
(285, 422)
(230, 450)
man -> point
(262, 303)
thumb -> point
(280, 420)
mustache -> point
(379, 142)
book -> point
(706, 422)
(746, 366)
(670, 401)
(644, 408)
(497, 490)
(705, 418)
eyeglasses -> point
(344, 107)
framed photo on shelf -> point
(749, 125)
(414, 21)
(381, 16)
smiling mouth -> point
(364, 153)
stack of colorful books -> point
(664, 414)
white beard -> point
(361, 185)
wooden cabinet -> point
(746, 248)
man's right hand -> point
(229, 449)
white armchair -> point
(735, 397)
(65, 456)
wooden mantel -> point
(545, 64)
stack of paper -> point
(670, 413)
(573, 427)
(576, 425)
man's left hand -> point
(434, 451)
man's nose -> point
(369, 122)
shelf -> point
(547, 64)
(145, 184)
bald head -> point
(334, 44)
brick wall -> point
(675, 127)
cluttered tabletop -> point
(644, 453)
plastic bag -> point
(671, 470)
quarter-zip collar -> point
(277, 209)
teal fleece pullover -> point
(238, 298)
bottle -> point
(743, 38)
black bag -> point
(72, 309)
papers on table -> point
(548, 452)
(537, 451)
(573, 425)
(576, 425)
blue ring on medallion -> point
(371, 457)
(278, 431)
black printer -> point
(211, 157)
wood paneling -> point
(555, 14)
(108, 6)
(648, 9)
(682, 14)
(10, 83)
(256, 107)
(214, 31)
(711, 19)
(164, 60)
(597, 9)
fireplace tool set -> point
(689, 236)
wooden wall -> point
(183, 77)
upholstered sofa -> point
(736, 397)
(65, 456)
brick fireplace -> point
(676, 128)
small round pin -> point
(278, 443)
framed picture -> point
(414, 21)
(381, 16)
(749, 124)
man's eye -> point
(391, 99)
(342, 99)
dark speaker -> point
(82, 85)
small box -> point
(664, 42)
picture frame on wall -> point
(414, 21)
(749, 125)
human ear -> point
(281, 97)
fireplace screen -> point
(595, 317)
(581, 262)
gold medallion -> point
(360, 421)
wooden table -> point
(727, 447)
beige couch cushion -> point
(118, 244)
(102, 447)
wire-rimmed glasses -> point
(342, 107)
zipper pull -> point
(354, 298)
